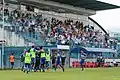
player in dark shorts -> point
(63, 57)
(82, 61)
(53, 62)
(58, 62)
(37, 64)
(42, 59)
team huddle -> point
(37, 59)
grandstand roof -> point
(82, 7)
(88, 4)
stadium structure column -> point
(78, 51)
(19, 6)
(78, 43)
(64, 15)
(2, 54)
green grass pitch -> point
(69, 74)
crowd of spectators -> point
(62, 32)
(55, 31)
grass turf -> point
(69, 74)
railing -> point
(22, 30)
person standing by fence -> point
(12, 60)
(22, 57)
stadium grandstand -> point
(54, 24)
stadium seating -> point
(76, 64)
(41, 30)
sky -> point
(109, 19)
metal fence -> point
(7, 51)
(4, 63)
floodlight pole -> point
(2, 66)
